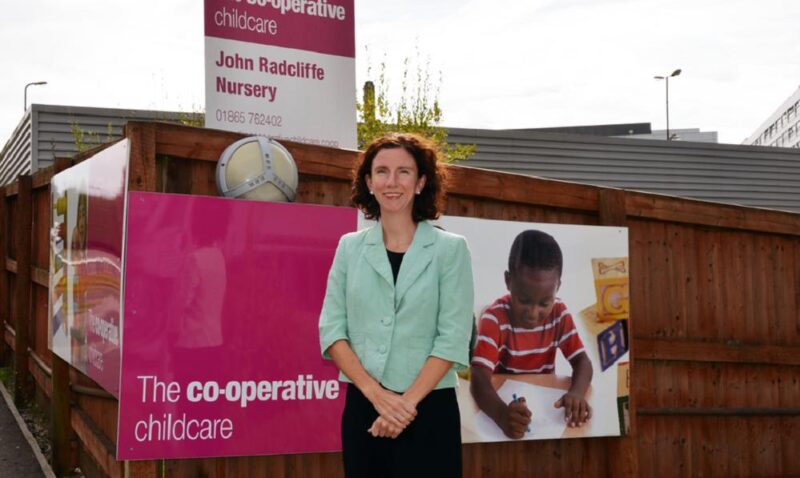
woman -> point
(397, 317)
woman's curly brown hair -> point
(428, 204)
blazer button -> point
(382, 349)
(386, 321)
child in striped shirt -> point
(520, 332)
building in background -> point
(46, 132)
(603, 155)
(782, 128)
(734, 174)
(630, 130)
(684, 134)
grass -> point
(7, 377)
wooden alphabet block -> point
(611, 287)
(612, 343)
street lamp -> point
(35, 83)
(674, 73)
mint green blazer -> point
(393, 329)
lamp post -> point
(665, 77)
(35, 83)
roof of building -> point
(52, 131)
(754, 176)
(620, 129)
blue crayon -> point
(514, 396)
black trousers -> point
(429, 446)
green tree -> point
(416, 111)
(86, 139)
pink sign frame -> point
(87, 211)
(221, 356)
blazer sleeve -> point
(333, 318)
(456, 297)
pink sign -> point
(322, 26)
(88, 205)
(282, 68)
(221, 349)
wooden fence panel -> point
(95, 403)
(40, 265)
(41, 228)
(715, 293)
(703, 446)
(683, 384)
(23, 388)
(10, 227)
(40, 319)
(12, 305)
(5, 350)
(9, 233)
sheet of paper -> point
(547, 421)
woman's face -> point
(394, 180)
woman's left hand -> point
(396, 410)
(382, 428)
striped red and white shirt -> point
(503, 348)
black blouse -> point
(395, 259)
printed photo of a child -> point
(521, 333)
(540, 364)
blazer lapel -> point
(375, 253)
(416, 260)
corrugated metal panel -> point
(746, 175)
(59, 127)
(16, 156)
(49, 131)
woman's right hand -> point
(395, 409)
(381, 428)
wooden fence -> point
(715, 293)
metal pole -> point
(25, 97)
(666, 79)
(668, 136)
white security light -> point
(257, 168)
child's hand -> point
(516, 419)
(576, 409)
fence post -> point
(60, 424)
(24, 224)
(5, 305)
(142, 177)
(142, 167)
(623, 453)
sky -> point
(501, 63)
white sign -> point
(282, 68)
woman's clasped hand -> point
(395, 412)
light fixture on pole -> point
(674, 73)
(35, 83)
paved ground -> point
(17, 458)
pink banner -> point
(88, 205)
(221, 349)
(322, 26)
